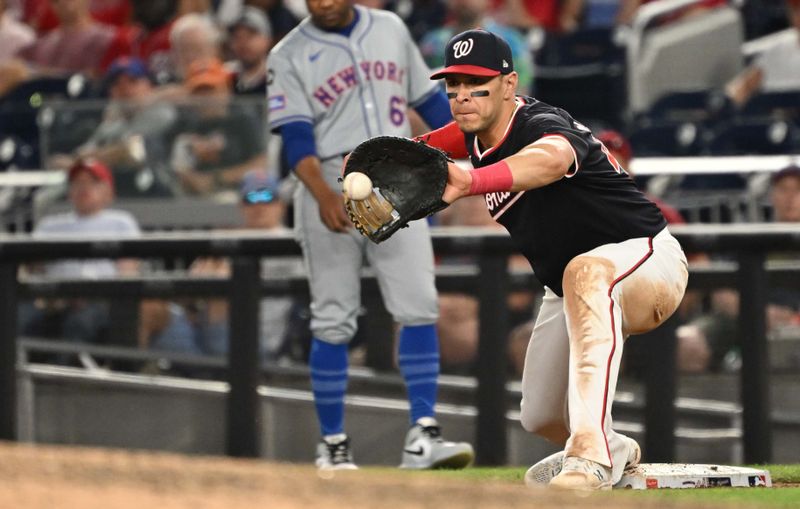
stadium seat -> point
(718, 182)
(15, 153)
(756, 137)
(65, 126)
(582, 47)
(774, 104)
(669, 138)
(20, 107)
(696, 105)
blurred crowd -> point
(164, 99)
(152, 59)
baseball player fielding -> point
(357, 186)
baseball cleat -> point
(634, 452)
(580, 474)
(540, 474)
(426, 449)
(333, 453)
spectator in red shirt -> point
(78, 44)
(41, 14)
(546, 14)
(147, 38)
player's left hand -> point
(458, 183)
(332, 212)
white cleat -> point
(333, 453)
(540, 474)
(426, 449)
(634, 452)
(580, 474)
(544, 471)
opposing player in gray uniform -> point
(344, 74)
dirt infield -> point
(39, 477)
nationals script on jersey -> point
(350, 88)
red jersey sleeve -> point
(448, 138)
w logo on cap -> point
(478, 53)
(462, 48)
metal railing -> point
(750, 245)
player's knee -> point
(586, 274)
(423, 312)
(552, 429)
(528, 421)
(339, 334)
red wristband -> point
(491, 179)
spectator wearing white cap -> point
(249, 41)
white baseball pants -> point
(573, 358)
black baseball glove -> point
(408, 180)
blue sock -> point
(419, 364)
(328, 363)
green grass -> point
(788, 498)
(783, 473)
(785, 497)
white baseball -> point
(357, 186)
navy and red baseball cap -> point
(478, 53)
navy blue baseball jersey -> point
(596, 203)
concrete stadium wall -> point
(71, 406)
